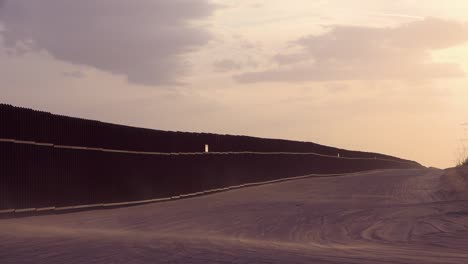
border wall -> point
(52, 161)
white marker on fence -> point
(206, 148)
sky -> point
(370, 75)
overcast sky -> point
(373, 75)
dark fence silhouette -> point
(41, 167)
(29, 125)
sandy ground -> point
(395, 216)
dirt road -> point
(394, 216)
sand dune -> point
(393, 216)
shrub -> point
(463, 158)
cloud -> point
(397, 15)
(143, 40)
(366, 53)
(226, 65)
(73, 74)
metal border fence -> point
(49, 161)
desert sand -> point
(391, 216)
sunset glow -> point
(383, 76)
